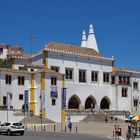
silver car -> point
(11, 128)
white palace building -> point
(64, 77)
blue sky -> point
(116, 24)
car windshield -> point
(5, 124)
(17, 124)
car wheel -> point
(22, 133)
(9, 133)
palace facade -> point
(89, 79)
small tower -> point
(91, 41)
(84, 42)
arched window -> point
(105, 102)
(74, 102)
(90, 103)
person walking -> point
(70, 126)
(128, 133)
(116, 132)
(106, 120)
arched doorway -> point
(105, 102)
(90, 102)
(74, 102)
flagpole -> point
(31, 45)
(33, 38)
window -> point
(94, 76)
(124, 92)
(112, 79)
(8, 79)
(53, 102)
(106, 77)
(32, 70)
(135, 85)
(4, 100)
(20, 96)
(54, 68)
(1, 50)
(69, 73)
(82, 76)
(53, 81)
(7, 124)
(20, 80)
(128, 80)
(123, 80)
(135, 102)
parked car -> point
(11, 128)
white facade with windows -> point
(90, 79)
(93, 80)
(14, 82)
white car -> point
(11, 128)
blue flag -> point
(26, 99)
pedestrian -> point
(106, 120)
(139, 128)
(128, 133)
(119, 131)
(111, 118)
(70, 126)
(116, 119)
(116, 134)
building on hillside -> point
(6, 50)
(88, 79)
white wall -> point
(53, 111)
(124, 103)
(14, 88)
(4, 54)
(11, 117)
(83, 90)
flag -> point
(43, 99)
(63, 98)
(9, 98)
(33, 37)
(26, 98)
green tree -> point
(3, 63)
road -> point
(52, 136)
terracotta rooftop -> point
(71, 48)
(17, 48)
(3, 45)
(20, 56)
(125, 70)
(74, 50)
